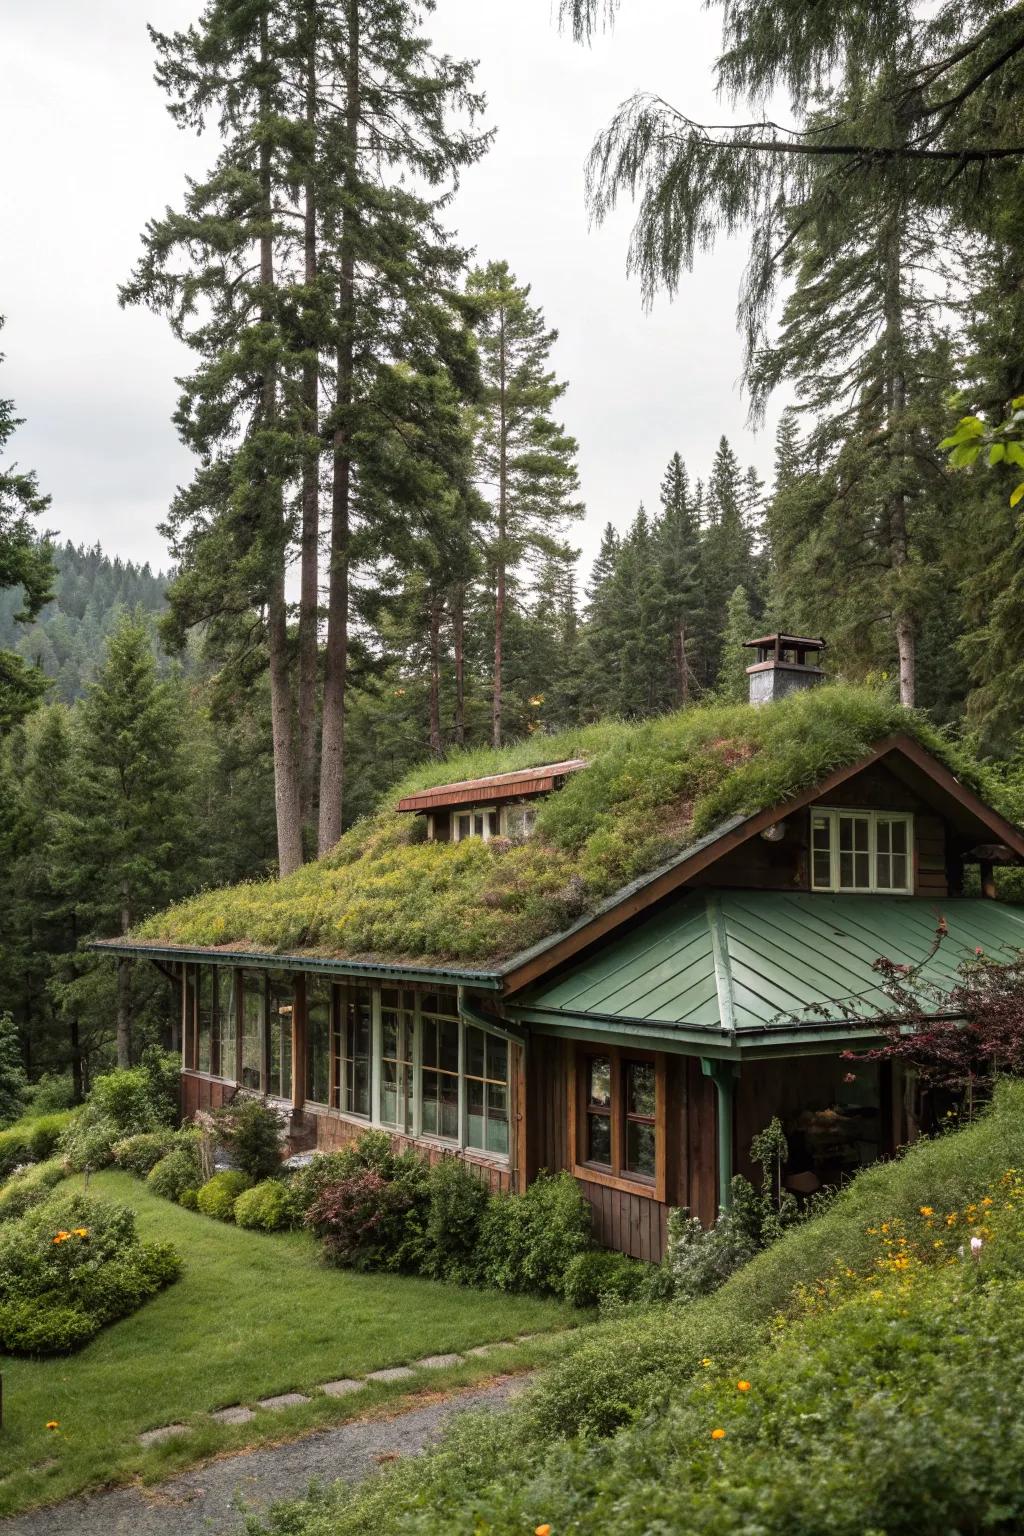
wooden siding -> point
(199, 1091)
(334, 1132)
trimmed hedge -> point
(178, 1172)
(218, 1195)
(267, 1207)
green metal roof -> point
(743, 962)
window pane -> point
(898, 836)
(883, 876)
(862, 871)
(463, 826)
(492, 823)
(356, 1050)
(448, 1038)
(640, 1088)
(474, 1052)
(846, 871)
(497, 1059)
(318, 1039)
(475, 1114)
(899, 872)
(640, 1148)
(599, 1088)
(599, 1139)
(227, 1019)
(205, 1017)
(253, 997)
(280, 1003)
(497, 1119)
(882, 836)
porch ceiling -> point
(760, 962)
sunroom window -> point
(480, 821)
(862, 851)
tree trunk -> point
(332, 749)
(459, 643)
(436, 748)
(77, 1080)
(896, 399)
(500, 574)
(309, 595)
(286, 786)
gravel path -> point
(207, 1500)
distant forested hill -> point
(68, 637)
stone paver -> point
(438, 1362)
(218, 1497)
(165, 1432)
(283, 1400)
(342, 1387)
(391, 1373)
(481, 1349)
(234, 1415)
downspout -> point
(723, 1075)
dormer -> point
(500, 805)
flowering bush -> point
(68, 1267)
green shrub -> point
(267, 1207)
(457, 1204)
(179, 1170)
(28, 1188)
(53, 1092)
(218, 1195)
(14, 1149)
(252, 1132)
(527, 1241)
(308, 1184)
(140, 1154)
(45, 1131)
(189, 1198)
(71, 1265)
(89, 1143)
(602, 1275)
(368, 1221)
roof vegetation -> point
(650, 790)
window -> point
(280, 1007)
(862, 851)
(479, 821)
(397, 1037)
(619, 1119)
(254, 992)
(486, 1074)
(353, 1052)
(439, 1085)
(319, 995)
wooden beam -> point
(299, 1044)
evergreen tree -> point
(126, 844)
(526, 463)
(679, 545)
(733, 684)
(24, 564)
(13, 1081)
(726, 551)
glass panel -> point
(862, 871)
(899, 872)
(448, 1044)
(205, 1017)
(492, 823)
(599, 1086)
(475, 1053)
(640, 1088)
(439, 1093)
(463, 827)
(497, 1119)
(519, 821)
(497, 1059)
(280, 1005)
(253, 998)
(599, 1139)
(397, 1024)
(898, 836)
(318, 1038)
(227, 1020)
(640, 1148)
(475, 1113)
(358, 1033)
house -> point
(621, 962)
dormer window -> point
(478, 821)
(862, 851)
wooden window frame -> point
(832, 814)
(617, 1176)
(486, 811)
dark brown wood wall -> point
(201, 1092)
(333, 1133)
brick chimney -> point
(782, 666)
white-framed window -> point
(862, 851)
(478, 821)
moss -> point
(649, 790)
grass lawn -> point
(253, 1314)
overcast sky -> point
(90, 153)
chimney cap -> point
(804, 641)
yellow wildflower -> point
(53, 1423)
(926, 1210)
(718, 1434)
(81, 1231)
(743, 1386)
(706, 1362)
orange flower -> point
(542, 1530)
(926, 1210)
(743, 1386)
(62, 1237)
(718, 1434)
(53, 1423)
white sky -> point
(90, 153)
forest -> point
(375, 559)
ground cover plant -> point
(650, 789)
(894, 1350)
(253, 1314)
(127, 1102)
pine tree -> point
(13, 1080)
(679, 546)
(726, 552)
(526, 462)
(739, 628)
(24, 563)
(126, 841)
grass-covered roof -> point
(649, 790)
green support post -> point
(723, 1075)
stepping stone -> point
(525, 1338)
(283, 1400)
(165, 1432)
(392, 1373)
(234, 1415)
(481, 1349)
(343, 1387)
(437, 1362)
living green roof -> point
(745, 963)
(651, 790)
